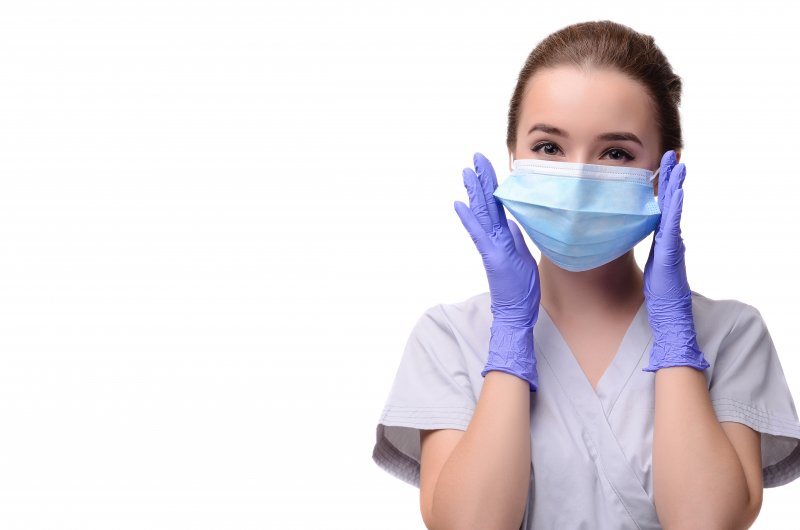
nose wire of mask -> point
(580, 216)
(651, 174)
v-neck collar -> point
(592, 409)
(633, 346)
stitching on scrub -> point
(423, 414)
(761, 422)
(753, 410)
(761, 417)
(399, 417)
(416, 422)
(412, 412)
(454, 417)
(421, 407)
(742, 414)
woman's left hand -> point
(666, 288)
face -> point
(572, 113)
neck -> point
(611, 288)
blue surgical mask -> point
(581, 216)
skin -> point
(585, 104)
(594, 308)
(461, 485)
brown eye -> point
(621, 153)
(547, 148)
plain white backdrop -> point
(219, 221)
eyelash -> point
(538, 147)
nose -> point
(585, 158)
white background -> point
(219, 221)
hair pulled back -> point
(609, 45)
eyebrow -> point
(550, 129)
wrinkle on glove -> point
(511, 351)
(511, 271)
(674, 337)
(666, 288)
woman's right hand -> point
(511, 270)
(512, 273)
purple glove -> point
(512, 273)
(666, 289)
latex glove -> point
(666, 289)
(512, 273)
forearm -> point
(698, 479)
(484, 484)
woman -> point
(583, 392)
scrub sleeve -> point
(431, 390)
(438, 381)
(748, 386)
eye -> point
(621, 152)
(547, 145)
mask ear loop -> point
(654, 175)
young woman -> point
(583, 392)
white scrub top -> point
(591, 451)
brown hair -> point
(607, 44)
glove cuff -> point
(667, 355)
(511, 351)
(674, 337)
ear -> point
(677, 155)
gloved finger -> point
(501, 211)
(675, 181)
(681, 177)
(670, 247)
(668, 161)
(477, 200)
(675, 211)
(676, 176)
(488, 180)
(473, 226)
(519, 241)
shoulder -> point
(721, 316)
(469, 312)
(457, 332)
(731, 333)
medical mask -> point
(581, 216)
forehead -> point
(586, 103)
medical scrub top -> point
(591, 450)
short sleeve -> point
(431, 390)
(748, 386)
